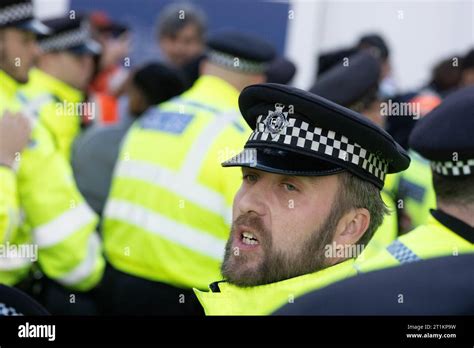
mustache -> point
(254, 222)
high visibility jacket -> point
(58, 106)
(415, 189)
(54, 215)
(433, 239)
(12, 270)
(168, 215)
(228, 299)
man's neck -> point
(463, 213)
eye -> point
(250, 178)
(290, 187)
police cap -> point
(299, 133)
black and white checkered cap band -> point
(324, 142)
(454, 168)
(63, 41)
(16, 13)
(235, 63)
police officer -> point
(354, 83)
(168, 213)
(57, 85)
(309, 200)
(444, 136)
(54, 214)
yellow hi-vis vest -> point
(59, 112)
(54, 216)
(168, 214)
(416, 191)
(229, 299)
(427, 241)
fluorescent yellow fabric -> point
(55, 215)
(265, 299)
(59, 113)
(169, 210)
(427, 241)
(415, 188)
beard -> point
(276, 265)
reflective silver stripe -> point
(173, 231)
(402, 253)
(87, 266)
(196, 155)
(174, 182)
(63, 226)
(14, 263)
(31, 108)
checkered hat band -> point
(235, 63)
(324, 142)
(454, 168)
(64, 41)
(8, 311)
(16, 13)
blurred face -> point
(18, 51)
(75, 70)
(281, 225)
(182, 48)
(114, 49)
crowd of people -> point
(203, 183)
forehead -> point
(310, 180)
(18, 32)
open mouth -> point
(248, 238)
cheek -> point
(235, 203)
(293, 226)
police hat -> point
(239, 51)
(444, 136)
(69, 35)
(299, 133)
(280, 70)
(19, 14)
(350, 84)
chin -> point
(22, 79)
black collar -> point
(454, 224)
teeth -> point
(248, 235)
(249, 241)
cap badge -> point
(276, 120)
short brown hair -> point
(355, 193)
(457, 190)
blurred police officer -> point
(18, 49)
(96, 150)
(55, 215)
(312, 174)
(444, 137)
(57, 86)
(168, 212)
